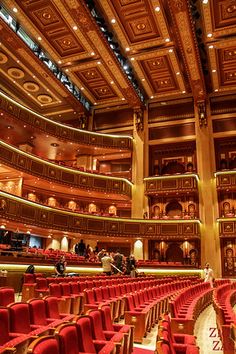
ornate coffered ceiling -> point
(174, 48)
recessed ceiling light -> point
(92, 53)
(113, 20)
(112, 82)
(123, 98)
(157, 9)
(209, 35)
(127, 49)
(98, 62)
(75, 28)
(59, 61)
(167, 39)
(170, 50)
(39, 38)
(152, 97)
(95, 103)
(132, 59)
(82, 88)
(216, 90)
(178, 73)
(211, 46)
(143, 79)
(205, 2)
(183, 91)
(67, 70)
(214, 70)
(15, 9)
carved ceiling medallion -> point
(44, 99)
(16, 73)
(3, 58)
(31, 86)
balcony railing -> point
(226, 180)
(61, 131)
(227, 227)
(35, 166)
(17, 209)
(171, 184)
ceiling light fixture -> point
(113, 20)
(39, 38)
(15, 9)
(214, 70)
(157, 9)
(75, 28)
(209, 35)
(167, 39)
(211, 46)
(127, 49)
(170, 50)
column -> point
(208, 203)
(64, 243)
(140, 134)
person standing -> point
(81, 248)
(118, 260)
(106, 263)
(208, 274)
(60, 266)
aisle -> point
(206, 332)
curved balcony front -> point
(226, 180)
(19, 210)
(33, 165)
(172, 184)
(62, 131)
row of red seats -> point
(21, 322)
(171, 343)
(145, 306)
(224, 299)
(188, 304)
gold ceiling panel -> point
(160, 72)
(138, 24)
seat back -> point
(29, 278)
(65, 289)
(68, 338)
(52, 309)
(55, 290)
(4, 326)
(37, 308)
(96, 322)
(44, 345)
(19, 317)
(106, 318)
(7, 296)
(86, 344)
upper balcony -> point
(33, 165)
(40, 219)
(22, 116)
(226, 180)
(172, 184)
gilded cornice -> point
(184, 30)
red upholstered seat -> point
(86, 343)
(99, 333)
(112, 327)
(68, 339)
(7, 296)
(64, 302)
(52, 309)
(41, 287)
(44, 345)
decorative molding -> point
(35, 166)
(202, 116)
(61, 131)
(19, 210)
(171, 184)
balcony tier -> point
(62, 131)
(17, 209)
(226, 181)
(35, 166)
(171, 184)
